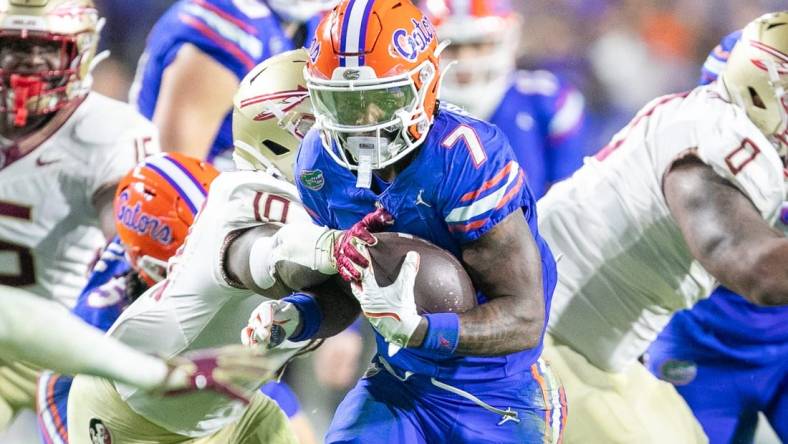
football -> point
(442, 285)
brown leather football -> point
(442, 285)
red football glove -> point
(350, 250)
(228, 370)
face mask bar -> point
(776, 72)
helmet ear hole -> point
(756, 99)
(275, 148)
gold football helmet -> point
(271, 114)
(69, 26)
(756, 75)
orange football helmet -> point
(155, 204)
(484, 36)
(373, 77)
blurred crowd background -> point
(619, 53)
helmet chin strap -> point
(779, 93)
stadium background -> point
(619, 53)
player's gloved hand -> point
(391, 310)
(350, 252)
(270, 324)
(305, 244)
(228, 370)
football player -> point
(541, 114)
(232, 264)
(726, 356)
(153, 211)
(62, 151)
(42, 333)
(383, 142)
(681, 200)
(212, 43)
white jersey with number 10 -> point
(198, 307)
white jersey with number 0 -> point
(623, 265)
(49, 229)
(197, 307)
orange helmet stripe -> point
(181, 180)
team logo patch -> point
(351, 74)
(143, 223)
(284, 101)
(313, 179)
(409, 44)
(678, 372)
(99, 433)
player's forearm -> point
(339, 307)
(46, 335)
(500, 327)
(274, 261)
(505, 264)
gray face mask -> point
(366, 152)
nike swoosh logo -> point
(40, 162)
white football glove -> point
(391, 310)
(270, 324)
(307, 245)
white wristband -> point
(262, 263)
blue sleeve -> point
(310, 180)
(564, 114)
(104, 296)
(484, 182)
(717, 58)
(52, 406)
(284, 396)
(225, 35)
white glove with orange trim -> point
(391, 310)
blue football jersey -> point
(715, 62)
(463, 180)
(237, 34)
(104, 296)
(543, 117)
(726, 323)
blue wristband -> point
(443, 334)
(311, 316)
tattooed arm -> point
(506, 265)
